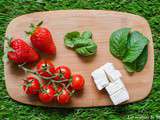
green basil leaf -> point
(70, 38)
(86, 35)
(142, 60)
(118, 42)
(92, 48)
(136, 44)
(72, 35)
(83, 51)
(69, 43)
(130, 67)
(81, 42)
(87, 50)
(139, 63)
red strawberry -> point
(41, 39)
(17, 44)
(22, 53)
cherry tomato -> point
(47, 94)
(45, 68)
(31, 86)
(70, 89)
(64, 71)
(77, 82)
(64, 96)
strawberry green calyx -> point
(8, 40)
(5, 56)
(33, 28)
(7, 49)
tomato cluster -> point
(53, 83)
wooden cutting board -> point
(102, 24)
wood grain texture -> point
(102, 24)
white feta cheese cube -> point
(98, 74)
(101, 83)
(120, 96)
(114, 86)
(113, 75)
(99, 87)
(108, 67)
(100, 79)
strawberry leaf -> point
(5, 58)
(39, 24)
(8, 38)
(33, 28)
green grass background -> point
(144, 110)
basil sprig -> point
(130, 47)
(82, 44)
